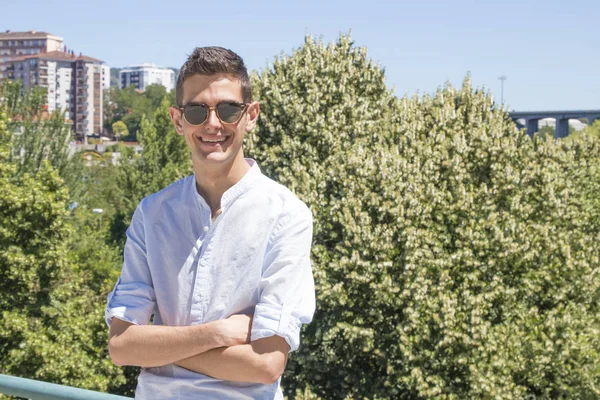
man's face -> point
(214, 143)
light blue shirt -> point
(185, 270)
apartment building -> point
(105, 77)
(16, 44)
(140, 76)
(74, 85)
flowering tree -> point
(454, 256)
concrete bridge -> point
(562, 118)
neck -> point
(214, 180)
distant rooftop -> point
(144, 65)
(57, 56)
(27, 35)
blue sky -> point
(549, 50)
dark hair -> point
(210, 61)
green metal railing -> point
(37, 390)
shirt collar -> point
(242, 186)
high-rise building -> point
(105, 77)
(16, 44)
(74, 85)
(140, 76)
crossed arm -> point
(220, 349)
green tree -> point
(119, 129)
(590, 130)
(38, 136)
(594, 129)
(20, 104)
(584, 170)
(164, 159)
(129, 105)
(155, 93)
(547, 131)
(51, 327)
(454, 257)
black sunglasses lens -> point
(195, 114)
(229, 113)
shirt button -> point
(206, 229)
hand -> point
(235, 330)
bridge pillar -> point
(532, 126)
(562, 127)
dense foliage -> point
(38, 136)
(454, 256)
(128, 106)
(165, 159)
(50, 326)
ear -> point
(253, 112)
(177, 119)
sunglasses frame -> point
(244, 107)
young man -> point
(220, 258)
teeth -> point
(213, 141)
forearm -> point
(262, 361)
(156, 345)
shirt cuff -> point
(130, 302)
(270, 320)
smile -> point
(215, 140)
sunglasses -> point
(228, 112)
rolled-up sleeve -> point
(132, 298)
(287, 293)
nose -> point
(212, 121)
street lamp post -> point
(502, 79)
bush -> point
(454, 256)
